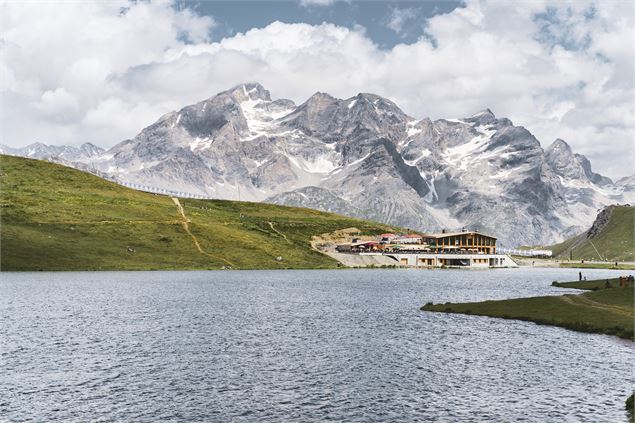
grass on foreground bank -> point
(602, 310)
(57, 218)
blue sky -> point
(100, 71)
(386, 22)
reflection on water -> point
(345, 345)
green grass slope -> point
(57, 218)
(608, 311)
(615, 240)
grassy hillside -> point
(614, 240)
(58, 218)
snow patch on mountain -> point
(412, 129)
(424, 153)
(362, 157)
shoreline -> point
(599, 310)
(385, 267)
(339, 266)
(557, 263)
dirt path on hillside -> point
(278, 232)
(579, 300)
(617, 309)
(185, 222)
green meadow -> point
(615, 242)
(57, 218)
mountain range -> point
(362, 157)
(61, 153)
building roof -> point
(443, 235)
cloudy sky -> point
(73, 71)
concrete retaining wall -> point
(454, 260)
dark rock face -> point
(409, 174)
(600, 222)
(321, 199)
(363, 157)
(335, 120)
(596, 178)
(484, 117)
(563, 162)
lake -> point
(313, 345)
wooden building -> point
(464, 242)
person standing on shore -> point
(579, 276)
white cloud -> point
(398, 17)
(59, 61)
(59, 104)
(560, 69)
(307, 3)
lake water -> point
(343, 345)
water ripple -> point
(296, 346)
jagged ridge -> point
(370, 159)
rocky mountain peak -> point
(249, 91)
(365, 116)
(375, 104)
(320, 98)
(62, 153)
(484, 117)
(320, 114)
(560, 146)
(37, 144)
(596, 178)
(372, 98)
(319, 103)
(559, 154)
(365, 157)
(485, 113)
(560, 158)
(90, 149)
